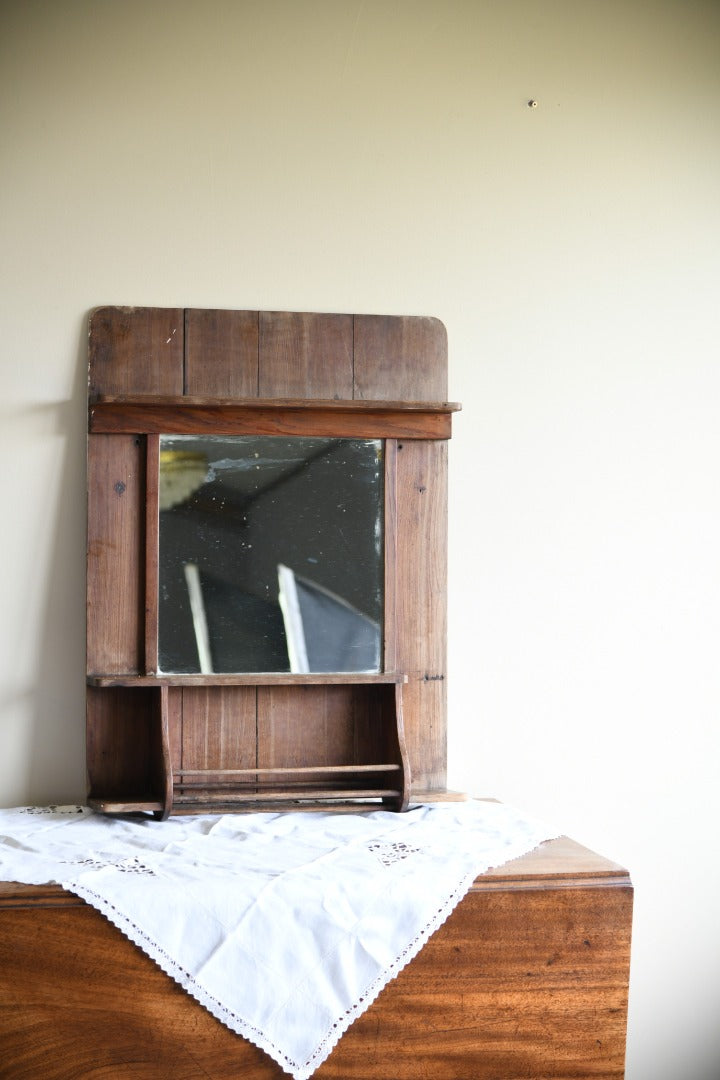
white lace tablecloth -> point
(284, 926)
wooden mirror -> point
(179, 719)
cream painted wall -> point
(380, 156)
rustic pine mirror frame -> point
(164, 744)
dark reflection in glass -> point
(271, 554)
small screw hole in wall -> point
(532, 103)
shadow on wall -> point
(56, 694)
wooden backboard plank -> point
(221, 353)
(218, 727)
(305, 355)
(400, 358)
(136, 350)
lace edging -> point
(411, 950)
(242, 1027)
(299, 1071)
(138, 937)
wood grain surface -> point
(528, 978)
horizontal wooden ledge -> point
(191, 415)
(125, 805)
(174, 401)
(285, 770)
(286, 795)
(254, 679)
(149, 805)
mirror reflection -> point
(271, 554)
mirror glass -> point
(271, 554)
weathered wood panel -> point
(400, 358)
(221, 353)
(115, 554)
(305, 355)
(218, 727)
(421, 584)
(307, 725)
(136, 350)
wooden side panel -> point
(131, 350)
(221, 353)
(136, 351)
(379, 736)
(115, 554)
(161, 751)
(305, 355)
(421, 576)
(517, 984)
(400, 358)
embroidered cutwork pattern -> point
(388, 852)
(125, 866)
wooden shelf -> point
(313, 783)
(126, 805)
(309, 785)
(174, 401)
(262, 679)
(148, 414)
(187, 787)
